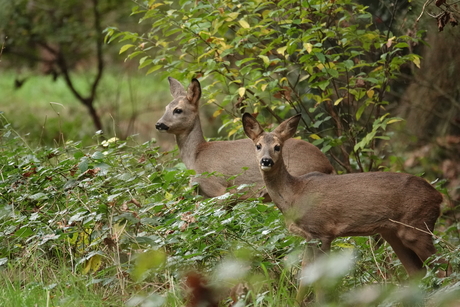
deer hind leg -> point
(422, 244)
(406, 255)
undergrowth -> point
(118, 223)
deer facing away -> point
(226, 158)
(324, 207)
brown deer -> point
(402, 208)
(226, 159)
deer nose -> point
(161, 126)
(266, 163)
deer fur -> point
(226, 159)
(402, 208)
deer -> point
(400, 207)
(226, 164)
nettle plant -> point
(324, 59)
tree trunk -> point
(431, 103)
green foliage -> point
(324, 59)
(119, 217)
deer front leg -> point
(313, 251)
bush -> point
(324, 59)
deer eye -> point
(177, 111)
(258, 146)
(277, 147)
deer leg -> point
(312, 253)
(304, 293)
(422, 245)
(406, 255)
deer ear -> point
(288, 128)
(176, 89)
(194, 92)
(251, 126)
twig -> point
(429, 232)
(428, 2)
(377, 264)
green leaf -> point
(153, 69)
(360, 111)
(125, 47)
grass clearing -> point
(128, 102)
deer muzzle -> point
(266, 164)
(161, 127)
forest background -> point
(95, 205)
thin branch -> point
(428, 231)
(428, 2)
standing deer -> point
(226, 159)
(402, 208)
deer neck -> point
(188, 143)
(281, 186)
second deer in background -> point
(227, 160)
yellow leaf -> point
(264, 86)
(370, 93)
(92, 264)
(304, 78)
(155, 5)
(217, 113)
(232, 132)
(345, 245)
(96, 262)
(241, 91)
(320, 66)
(315, 136)
(394, 120)
(265, 59)
(281, 50)
(87, 267)
(338, 101)
(416, 61)
(244, 24)
(308, 47)
(231, 16)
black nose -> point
(161, 126)
(266, 162)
